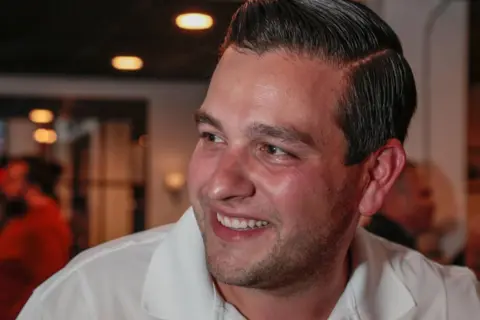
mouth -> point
(232, 228)
(241, 224)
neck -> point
(314, 301)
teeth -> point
(240, 224)
(227, 222)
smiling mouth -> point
(240, 224)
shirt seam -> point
(88, 294)
(69, 271)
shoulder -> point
(113, 267)
(139, 242)
(452, 288)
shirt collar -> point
(178, 272)
(377, 290)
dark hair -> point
(4, 161)
(42, 174)
(380, 95)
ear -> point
(383, 167)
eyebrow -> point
(256, 130)
(286, 134)
(201, 117)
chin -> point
(227, 271)
(233, 267)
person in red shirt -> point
(35, 239)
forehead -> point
(274, 87)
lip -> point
(230, 235)
(233, 214)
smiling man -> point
(300, 135)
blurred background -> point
(107, 89)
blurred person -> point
(407, 211)
(300, 134)
(79, 226)
(429, 244)
(3, 171)
(35, 239)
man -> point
(429, 244)
(300, 134)
(34, 238)
(407, 211)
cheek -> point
(199, 171)
(296, 195)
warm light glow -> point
(175, 181)
(127, 63)
(143, 141)
(194, 21)
(46, 136)
(41, 116)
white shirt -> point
(162, 274)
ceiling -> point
(80, 37)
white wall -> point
(20, 138)
(173, 138)
(171, 130)
(448, 83)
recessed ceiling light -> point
(45, 136)
(194, 21)
(41, 116)
(127, 63)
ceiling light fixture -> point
(127, 63)
(45, 136)
(41, 116)
(194, 21)
(143, 141)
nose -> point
(230, 179)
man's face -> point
(267, 182)
(13, 184)
(417, 201)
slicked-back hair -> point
(379, 95)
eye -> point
(275, 151)
(210, 137)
